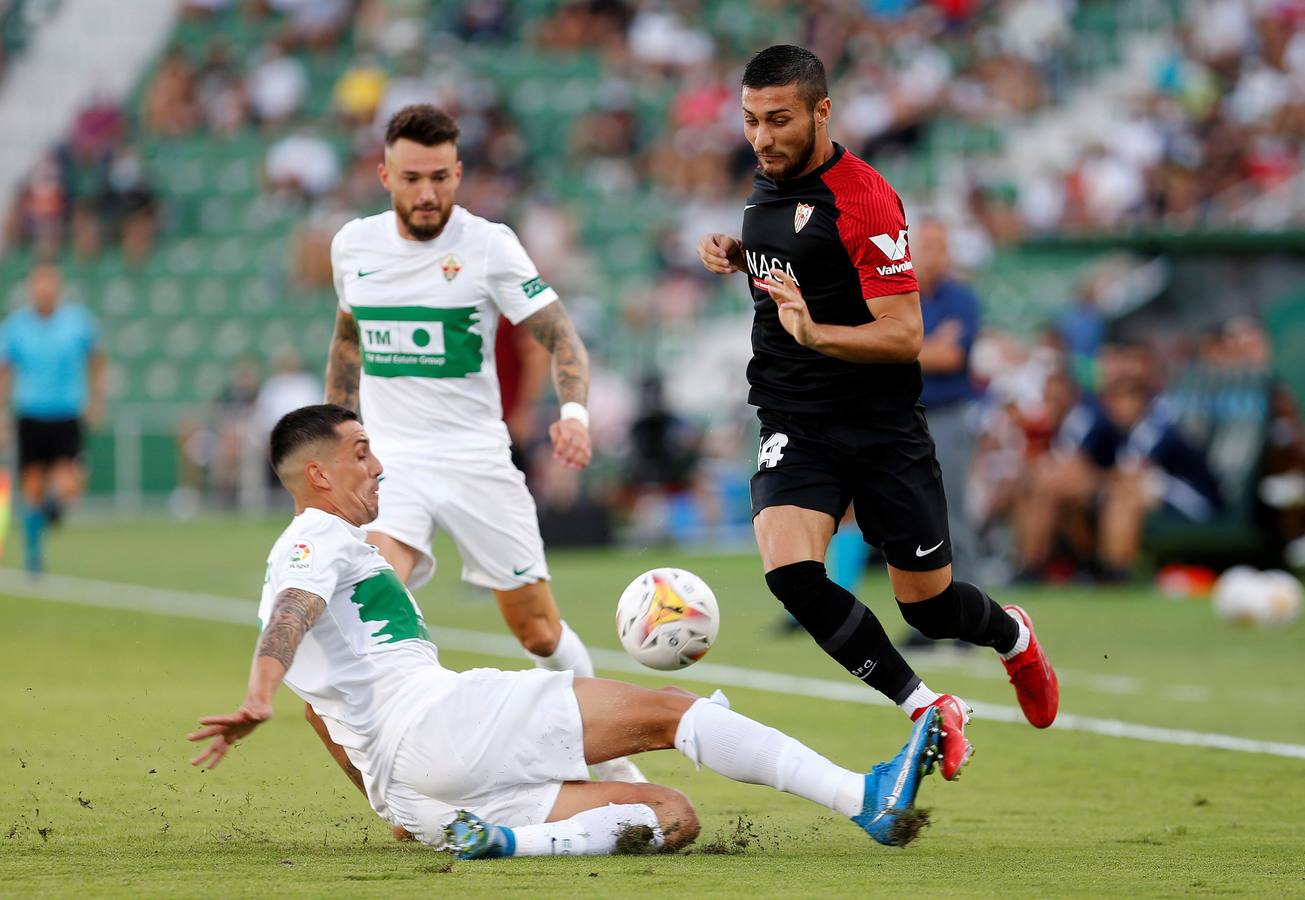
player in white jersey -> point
(439, 752)
(420, 290)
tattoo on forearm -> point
(344, 364)
(552, 327)
(293, 614)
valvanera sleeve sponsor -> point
(512, 279)
(877, 244)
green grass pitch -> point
(96, 797)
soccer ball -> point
(1235, 593)
(1280, 600)
(1265, 599)
(667, 618)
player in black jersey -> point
(835, 338)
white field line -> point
(211, 608)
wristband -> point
(577, 411)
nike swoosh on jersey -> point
(749, 206)
(362, 274)
(920, 552)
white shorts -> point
(484, 506)
(500, 745)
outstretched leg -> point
(621, 718)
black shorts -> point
(48, 440)
(883, 463)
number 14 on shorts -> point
(772, 451)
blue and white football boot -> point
(470, 837)
(890, 787)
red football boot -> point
(955, 746)
(1035, 681)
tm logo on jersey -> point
(419, 341)
(894, 250)
(759, 266)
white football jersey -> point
(427, 313)
(367, 665)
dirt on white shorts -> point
(499, 744)
(484, 506)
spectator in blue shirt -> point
(950, 309)
(50, 358)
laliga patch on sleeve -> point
(301, 557)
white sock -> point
(739, 748)
(918, 699)
(1021, 642)
(589, 833)
(570, 655)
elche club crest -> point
(802, 215)
(450, 266)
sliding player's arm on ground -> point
(342, 760)
(344, 362)
(553, 329)
(337, 752)
(293, 614)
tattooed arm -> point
(344, 363)
(293, 614)
(552, 327)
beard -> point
(801, 159)
(428, 231)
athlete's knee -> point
(797, 583)
(677, 818)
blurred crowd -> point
(1077, 448)
(1063, 436)
(92, 190)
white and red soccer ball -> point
(667, 618)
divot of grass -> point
(908, 826)
(636, 840)
(736, 842)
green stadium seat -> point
(210, 297)
(232, 339)
(162, 380)
(118, 296)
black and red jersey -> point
(840, 233)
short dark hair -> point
(785, 64)
(421, 122)
(305, 426)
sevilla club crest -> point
(451, 266)
(802, 215)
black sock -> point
(843, 627)
(966, 612)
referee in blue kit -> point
(52, 373)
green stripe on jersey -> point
(382, 600)
(419, 341)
